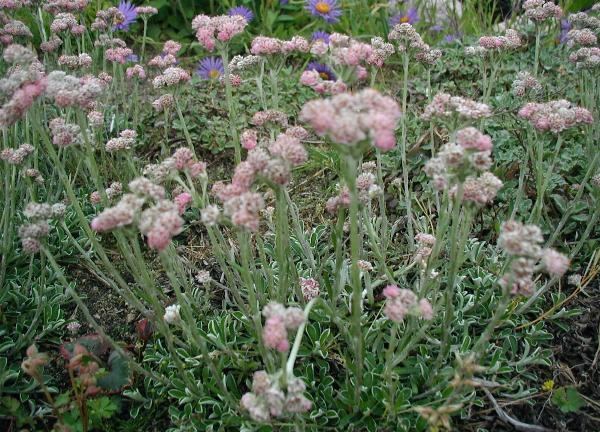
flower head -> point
(210, 68)
(411, 16)
(324, 71)
(329, 10)
(242, 11)
(129, 11)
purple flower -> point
(436, 28)
(329, 10)
(320, 35)
(449, 38)
(411, 16)
(242, 11)
(132, 58)
(210, 68)
(565, 26)
(283, 2)
(325, 71)
(130, 14)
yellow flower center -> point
(322, 7)
(404, 19)
(214, 73)
(324, 75)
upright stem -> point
(403, 150)
(186, 132)
(357, 333)
(144, 39)
(231, 107)
(538, 35)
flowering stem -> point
(403, 150)
(282, 236)
(393, 343)
(145, 19)
(274, 88)
(456, 249)
(231, 107)
(536, 61)
(186, 132)
(298, 340)
(350, 176)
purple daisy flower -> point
(565, 26)
(210, 68)
(329, 10)
(132, 58)
(320, 35)
(325, 71)
(128, 10)
(449, 38)
(411, 16)
(242, 11)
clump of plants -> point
(368, 261)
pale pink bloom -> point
(556, 263)
(249, 139)
(425, 309)
(183, 200)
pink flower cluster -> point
(525, 83)
(221, 28)
(164, 102)
(56, 6)
(313, 79)
(523, 244)
(278, 320)
(366, 188)
(67, 90)
(409, 41)
(160, 223)
(182, 200)
(80, 61)
(146, 11)
(136, 71)
(460, 162)
(182, 160)
(584, 20)
(124, 142)
(541, 10)
(351, 118)
(170, 77)
(240, 203)
(310, 288)
(261, 118)
(263, 45)
(22, 86)
(114, 190)
(425, 243)
(583, 37)
(107, 19)
(402, 302)
(64, 134)
(268, 400)
(168, 57)
(66, 23)
(586, 58)
(16, 157)
(555, 116)
(51, 44)
(12, 29)
(510, 40)
(118, 54)
(14, 4)
(445, 105)
(39, 214)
